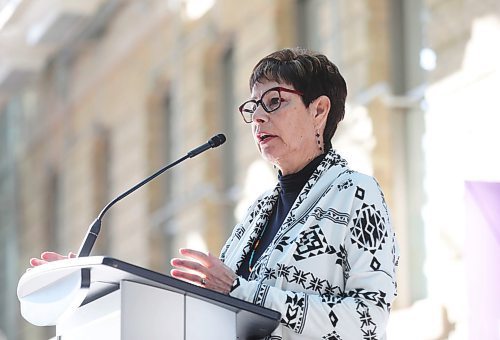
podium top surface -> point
(96, 276)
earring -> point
(319, 141)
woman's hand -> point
(203, 270)
(49, 256)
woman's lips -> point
(264, 137)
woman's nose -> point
(260, 115)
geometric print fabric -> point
(302, 243)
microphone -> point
(95, 227)
(214, 142)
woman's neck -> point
(288, 168)
(293, 183)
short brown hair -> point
(311, 73)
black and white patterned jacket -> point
(330, 269)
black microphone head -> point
(217, 140)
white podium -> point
(105, 298)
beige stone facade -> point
(139, 83)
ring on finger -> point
(203, 281)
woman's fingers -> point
(187, 264)
(51, 256)
(185, 276)
(203, 270)
(37, 262)
(196, 255)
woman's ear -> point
(321, 109)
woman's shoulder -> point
(263, 198)
(347, 180)
(345, 173)
(357, 176)
(337, 169)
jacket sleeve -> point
(359, 309)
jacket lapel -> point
(253, 225)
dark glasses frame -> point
(261, 103)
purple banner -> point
(482, 259)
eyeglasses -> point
(270, 101)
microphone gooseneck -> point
(95, 227)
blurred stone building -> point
(95, 95)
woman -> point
(319, 247)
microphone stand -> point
(95, 227)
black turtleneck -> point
(290, 186)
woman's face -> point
(287, 136)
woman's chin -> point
(269, 156)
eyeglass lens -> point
(270, 101)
